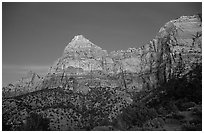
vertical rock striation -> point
(172, 53)
(177, 46)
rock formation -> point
(171, 53)
(80, 54)
(177, 45)
(30, 82)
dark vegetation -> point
(173, 105)
(200, 16)
(35, 122)
(179, 99)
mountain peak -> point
(79, 41)
(79, 37)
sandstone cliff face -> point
(177, 45)
(174, 50)
(80, 53)
(179, 38)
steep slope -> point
(30, 82)
(177, 46)
(80, 53)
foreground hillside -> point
(155, 87)
(175, 105)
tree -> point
(137, 114)
(35, 122)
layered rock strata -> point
(177, 46)
(172, 53)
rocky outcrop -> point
(179, 45)
(80, 53)
(30, 82)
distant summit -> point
(80, 42)
(80, 53)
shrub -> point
(137, 115)
(5, 127)
(177, 116)
(36, 122)
(154, 123)
(171, 107)
(191, 127)
(187, 105)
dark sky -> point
(34, 35)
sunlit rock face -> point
(178, 43)
(81, 53)
(176, 47)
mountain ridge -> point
(168, 31)
(178, 41)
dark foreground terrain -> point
(175, 105)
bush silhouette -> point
(36, 122)
(137, 114)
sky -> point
(34, 35)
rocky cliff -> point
(177, 46)
(173, 51)
(80, 53)
(30, 82)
